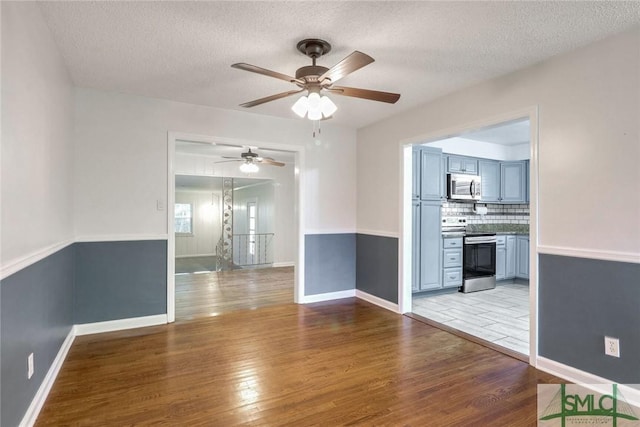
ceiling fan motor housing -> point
(249, 155)
(310, 73)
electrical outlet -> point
(612, 346)
(29, 366)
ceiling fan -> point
(251, 160)
(315, 79)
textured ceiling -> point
(183, 50)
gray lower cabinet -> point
(415, 246)
(522, 267)
(501, 260)
(505, 257)
(452, 262)
(430, 245)
(510, 264)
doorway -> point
(501, 316)
(233, 234)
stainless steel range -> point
(478, 256)
(479, 262)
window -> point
(251, 214)
(183, 218)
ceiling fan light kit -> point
(249, 167)
(250, 161)
(315, 78)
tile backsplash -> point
(496, 214)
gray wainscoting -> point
(36, 317)
(582, 300)
(120, 280)
(329, 263)
(377, 266)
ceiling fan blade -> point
(270, 161)
(228, 161)
(270, 98)
(265, 72)
(348, 65)
(230, 157)
(373, 95)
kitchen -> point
(470, 201)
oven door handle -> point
(479, 240)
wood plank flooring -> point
(344, 362)
(214, 293)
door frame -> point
(172, 137)
(404, 245)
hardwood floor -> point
(345, 362)
(214, 293)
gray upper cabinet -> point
(513, 182)
(415, 181)
(430, 245)
(490, 176)
(415, 246)
(431, 173)
(460, 164)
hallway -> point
(213, 293)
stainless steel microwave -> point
(463, 187)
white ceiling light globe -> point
(327, 106)
(249, 168)
(301, 106)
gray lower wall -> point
(120, 280)
(582, 300)
(329, 263)
(36, 315)
(377, 266)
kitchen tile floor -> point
(499, 315)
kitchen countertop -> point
(499, 228)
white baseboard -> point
(631, 395)
(33, 411)
(377, 301)
(120, 324)
(284, 264)
(328, 296)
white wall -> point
(206, 225)
(589, 117)
(121, 161)
(37, 151)
(284, 195)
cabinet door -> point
(510, 262)
(490, 176)
(415, 187)
(500, 262)
(431, 174)
(415, 247)
(430, 246)
(523, 257)
(443, 177)
(513, 180)
(470, 166)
